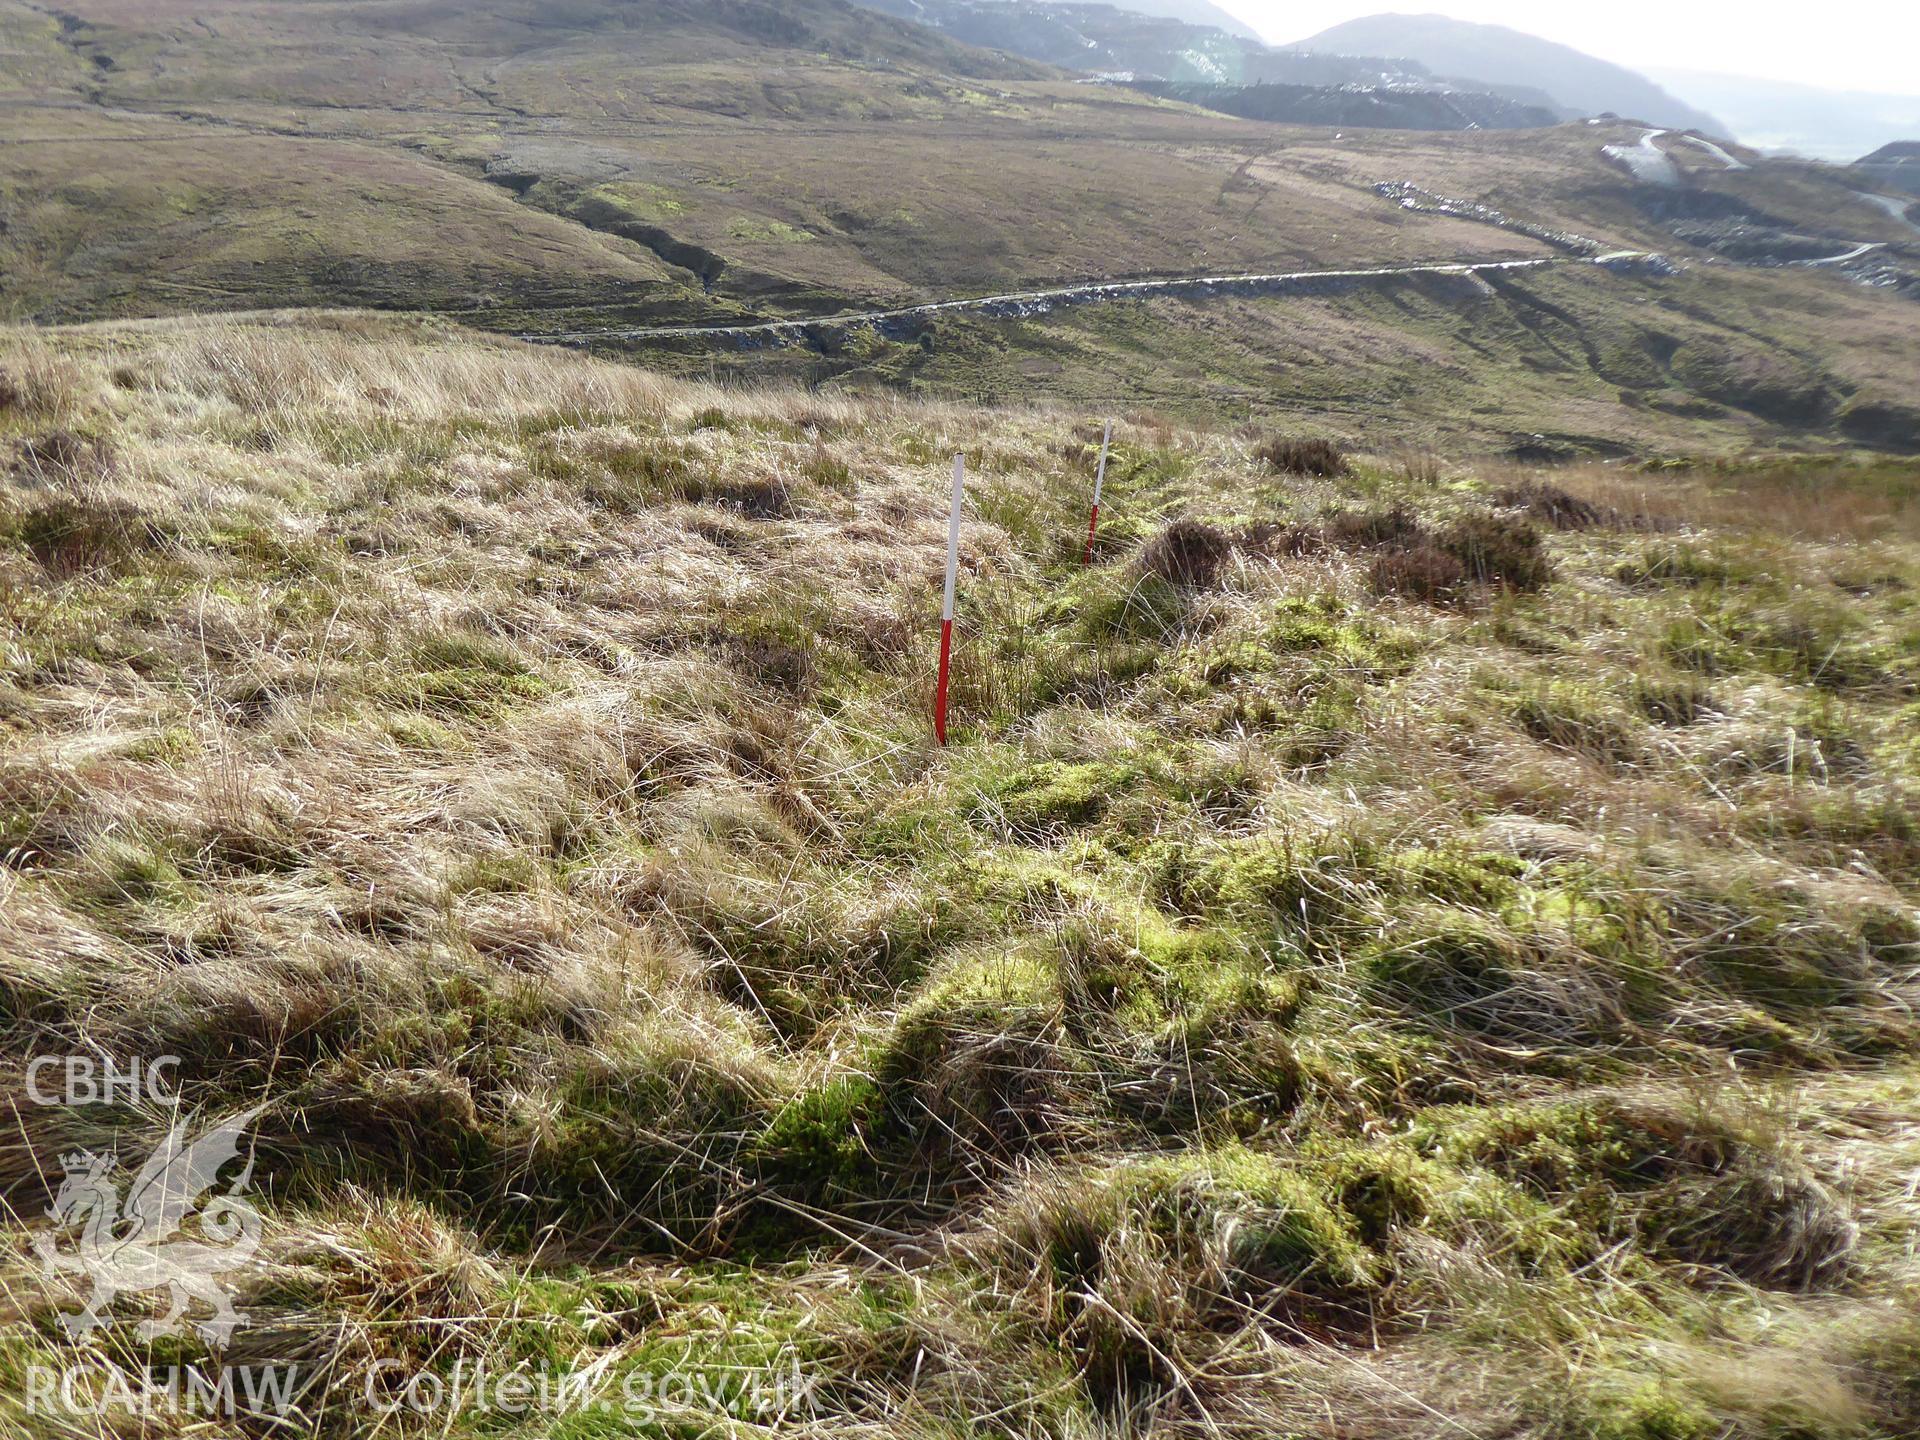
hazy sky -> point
(1863, 45)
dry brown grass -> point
(1840, 499)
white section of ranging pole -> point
(1099, 484)
(953, 534)
(1100, 475)
(940, 688)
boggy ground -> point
(1408, 950)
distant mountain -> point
(1094, 39)
(1193, 12)
(1493, 55)
(1774, 115)
(1103, 39)
(1205, 65)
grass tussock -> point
(1314, 456)
(1411, 556)
(1492, 1014)
(1187, 553)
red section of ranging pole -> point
(946, 604)
(1099, 481)
(940, 690)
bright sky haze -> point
(1871, 45)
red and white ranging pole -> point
(1099, 483)
(946, 605)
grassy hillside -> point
(152, 216)
(1415, 950)
(1567, 361)
(542, 170)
